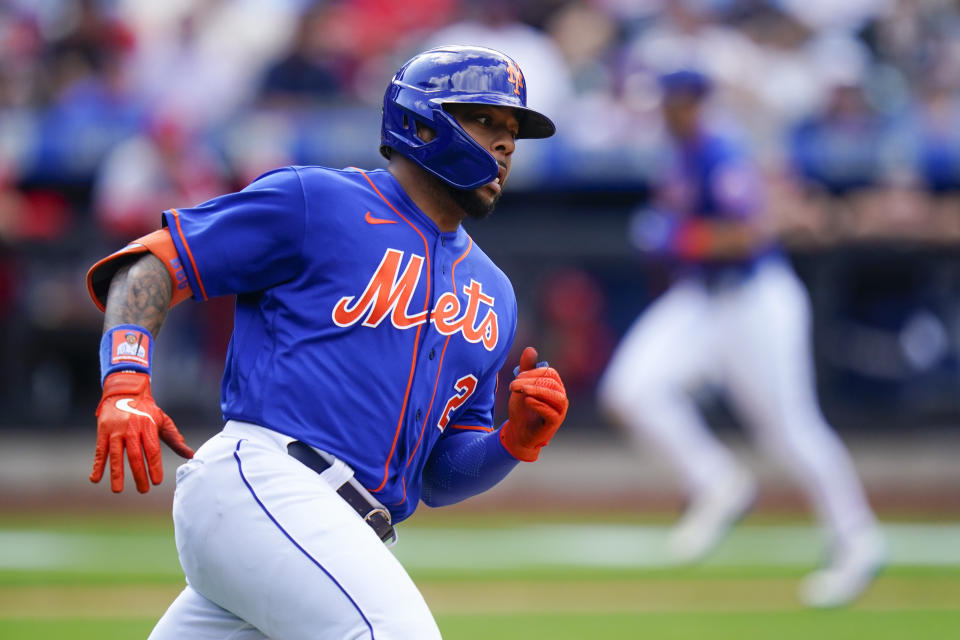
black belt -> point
(373, 514)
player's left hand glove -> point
(128, 418)
(538, 404)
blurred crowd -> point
(114, 110)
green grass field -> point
(112, 576)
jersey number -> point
(465, 387)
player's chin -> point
(486, 202)
(476, 203)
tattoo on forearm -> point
(140, 293)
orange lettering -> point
(446, 309)
(465, 386)
(489, 330)
(474, 297)
(389, 292)
(515, 78)
(386, 293)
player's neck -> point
(427, 193)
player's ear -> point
(425, 133)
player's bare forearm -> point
(140, 294)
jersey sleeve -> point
(245, 241)
(736, 187)
(464, 464)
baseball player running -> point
(360, 378)
(736, 316)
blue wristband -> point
(125, 347)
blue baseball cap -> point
(688, 82)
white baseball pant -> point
(270, 550)
(753, 339)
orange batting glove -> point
(538, 404)
(128, 417)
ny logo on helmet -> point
(514, 77)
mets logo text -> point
(515, 78)
(389, 293)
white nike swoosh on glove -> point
(124, 405)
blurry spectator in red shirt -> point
(144, 174)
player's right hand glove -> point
(128, 418)
(538, 404)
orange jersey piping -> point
(471, 427)
(183, 239)
(416, 343)
(436, 381)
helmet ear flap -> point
(453, 156)
(462, 162)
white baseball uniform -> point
(752, 338)
(740, 322)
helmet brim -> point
(533, 124)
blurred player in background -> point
(368, 335)
(738, 318)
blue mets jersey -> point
(713, 179)
(360, 327)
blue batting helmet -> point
(687, 82)
(444, 75)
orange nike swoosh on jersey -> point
(370, 219)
